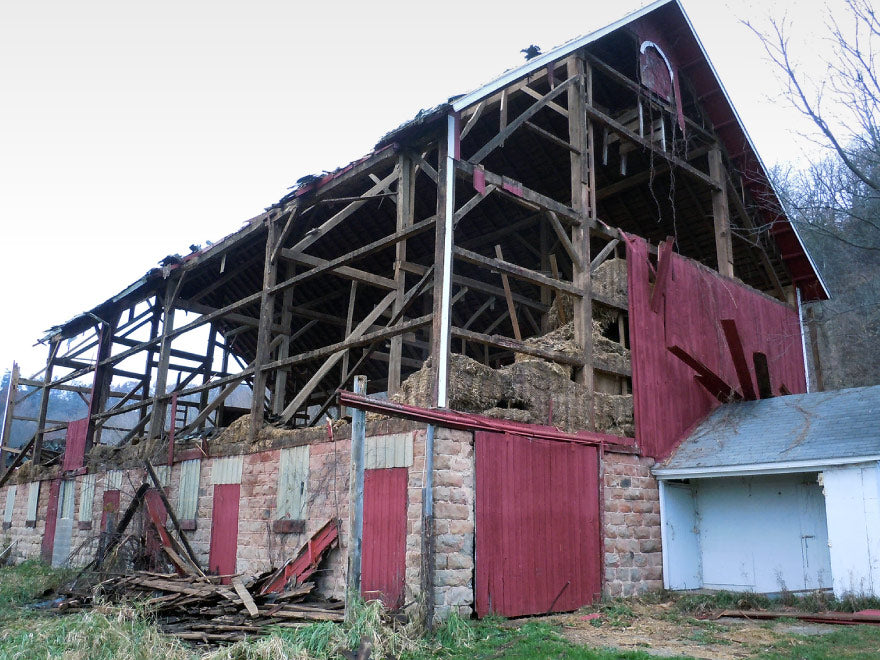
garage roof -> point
(784, 434)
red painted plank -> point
(383, 559)
(48, 544)
(667, 399)
(156, 536)
(224, 529)
(537, 525)
(306, 561)
(740, 362)
(75, 444)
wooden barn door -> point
(223, 551)
(383, 560)
(537, 525)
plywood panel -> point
(224, 529)
(667, 400)
(383, 563)
(537, 525)
(293, 483)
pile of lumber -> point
(211, 609)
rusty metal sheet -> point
(537, 525)
(383, 562)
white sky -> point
(129, 130)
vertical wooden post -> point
(9, 410)
(151, 353)
(44, 400)
(349, 324)
(356, 496)
(267, 312)
(278, 392)
(157, 416)
(102, 380)
(405, 200)
(208, 368)
(583, 200)
(440, 326)
(721, 213)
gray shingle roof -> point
(841, 424)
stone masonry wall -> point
(633, 560)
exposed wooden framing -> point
(285, 232)
(331, 361)
(405, 210)
(426, 167)
(157, 416)
(345, 272)
(18, 460)
(102, 380)
(225, 278)
(508, 130)
(264, 333)
(206, 410)
(175, 353)
(490, 238)
(583, 199)
(551, 105)
(443, 246)
(721, 214)
(473, 119)
(45, 394)
(477, 285)
(131, 394)
(564, 239)
(646, 143)
(318, 232)
(285, 339)
(519, 272)
(468, 206)
(498, 341)
(349, 322)
(9, 410)
(523, 196)
(603, 254)
(511, 308)
(559, 142)
(359, 253)
(148, 369)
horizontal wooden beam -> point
(519, 272)
(346, 272)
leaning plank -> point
(713, 383)
(173, 516)
(738, 355)
(306, 391)
(245, 596)
(511, 308)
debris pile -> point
(204, 609)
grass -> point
(127, 633)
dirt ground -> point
(659, 629)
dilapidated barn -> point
(545, 282)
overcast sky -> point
(129, 130)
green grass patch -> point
(846, 643)
(27, 582)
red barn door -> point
(224, 529)
(383, 558)
(537, 525)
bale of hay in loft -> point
(614, 414)
(546, 391)
(610, 279)
(473, 386)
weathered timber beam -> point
(184, 355)
(640, 178)
(477, 285)
(497, 341)
(552, 138)
(524, 196)
(519, 272)
(536, 107)
(645, 143)
(316, 233)
(603, 254)
(564, 239)
(346, 272)
(359, 253)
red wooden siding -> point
(383, 559)
(537, 525)
(51, 521)
(156, 506)
(667, 399)
(75, 445)
(224, 529)
(110, 507)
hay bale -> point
(610, 279)
(533, 384)
(473, 386)
(512, 414)
(614, 414)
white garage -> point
(777, 495)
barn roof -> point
(784, 434)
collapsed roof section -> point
(468, 230)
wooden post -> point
(721, 213)
(157, 416)
(44, 400)
(102, 380)
(349, 324)
(405, 201)
(356, 497)
(151, 352)
(264, 333)
(9, 410)
(583, 200)
(209, 367)
(441, 323)
(280, 388)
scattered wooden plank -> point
(245, 596)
